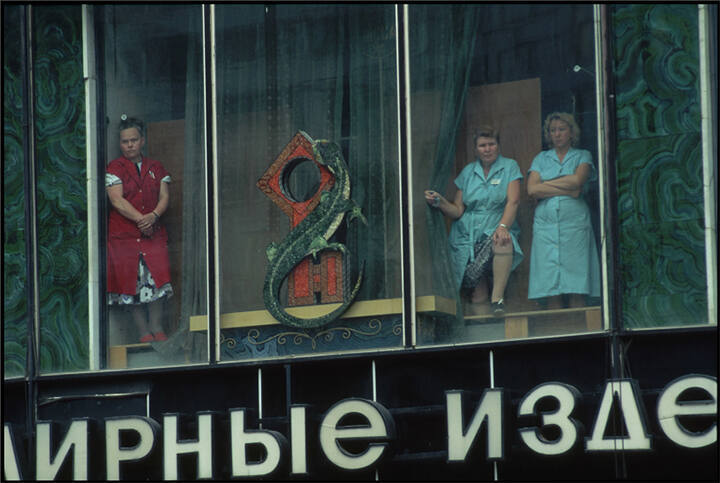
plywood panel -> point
(515, 109)
(165, 141)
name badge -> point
(495, 181)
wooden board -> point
(515, 109)
(165, 142)
(362, 308)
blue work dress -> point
(564, 257)
(484, 198)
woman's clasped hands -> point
(146, 224)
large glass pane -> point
(328, 71)
(508, 234)
(61, 188)
(156, 250)
(15, 311)
(661, 230)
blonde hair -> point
(567, 118)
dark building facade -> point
(412, 382)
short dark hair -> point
(486, 132)
(130, 122)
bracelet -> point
(157, 217)
(504, 225)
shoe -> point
(146, 338)
(498, 308)
(160, 336)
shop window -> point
(154, 103)
(500, 71)
(289, 77)
(299, 87)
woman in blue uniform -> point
(564, 259)
(484, 236)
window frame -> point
(94, 113)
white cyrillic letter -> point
(75, 439)
(11, 468)
(630, 409)
(272, 441)
(669, 408)
(172, 447)
(566, 397)
(146, 429)
(380, 428)
(298, 440)
(460, 441)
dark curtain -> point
(442, 40)
(372, 147)
(194, 245)
(328, 70)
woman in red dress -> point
(138, 268)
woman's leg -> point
(156, 314)
(479, 298)
(139, 316)
(502, 263)
(576, 300)
(480, 292)
(554, 302)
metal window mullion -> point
(709, 159)
(31, 256)
(93, 189)
(212, 211)
(612, 300)
(602, 157)
(612, 303)
(402, 49)
(31, 241)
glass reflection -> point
(156, 229)
(329, 71)
(498, 70)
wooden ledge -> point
(532, 313)
(117, 356)
(517, 323)
(361, 308)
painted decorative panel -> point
(15, 301)
(61, 188)
(277, 340)
(659, 165)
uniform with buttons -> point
(126, 244)
(484, 198)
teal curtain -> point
(372, 148)
(442, 39)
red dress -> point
(125, 241)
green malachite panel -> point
(660, 179)
(656, 70)
(663, 275)
(14, 260)
(61, 188)
(659, 165)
